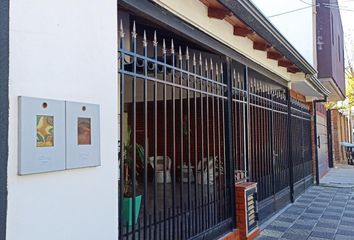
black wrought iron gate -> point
(268, 157)
(301, 146)
(174, 163)
(189, 119)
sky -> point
(283, 17)
(347, 14)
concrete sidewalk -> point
(322, 212)
(340, 176)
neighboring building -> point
(204, 91)
(341, 132)
(330, 55)
(330, 48)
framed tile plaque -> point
(82, 135)
(41, 135)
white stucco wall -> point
(64, 49)
(298, 27)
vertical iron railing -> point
(301, 140)
(239, 121)
(174, 162)
(268, 146)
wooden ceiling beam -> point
(218, 13)
(241, 31)
(293, 69)
(284, 63)
(262, 46)
(274, 55)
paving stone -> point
(272, 233)
(348, 219)
(334, 210)
(285, 219)
(319, 205)
(266, 238)
(302, 226)
(342, 237)
(326, 213)
(312, 210)
(326, 235)
(345, 232)
(309, 222)
(311, 216)
(331, 217)
(294, 236)
(292, 216)
(311, 196)
(326, 225)
(276, 228)
(346, 227)
(341, 196)
(295, 209)
(348, 211)
(314, 238)
(296, 203)
(331, 221)
(324, 229)
(348, 223)
(307, 201)
(300, 231)
(281, 223)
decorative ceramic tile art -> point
(45, 131)
(57, 135)
(83, 131)
(41, 135)
(82, 135)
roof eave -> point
(252, 16)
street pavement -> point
(322, 212)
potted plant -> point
(128, 181)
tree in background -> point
(348, 103)
(349, 70)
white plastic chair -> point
(160, 168)
(206, 167)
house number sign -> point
(251, 209)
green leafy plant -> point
(127, 163)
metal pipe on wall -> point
(329, 138)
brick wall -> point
(340, 134)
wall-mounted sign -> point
(41, 135)
(82, 135)
(251, 209)
(57, 135)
